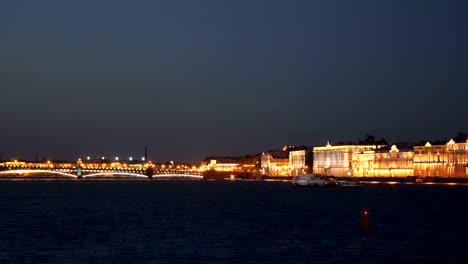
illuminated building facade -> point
(221, 165)
(300, 161)
(441, 160)
(429, 160)
(275, 163)
(383, 162)
(338, 160)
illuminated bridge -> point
(23, 170)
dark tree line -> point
(369, 139)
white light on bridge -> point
(116, 158)
(131, 158)
(143, 158)
(103, 158)
(88, 158)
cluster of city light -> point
(40, 165)
(90, 168)
(117, 164)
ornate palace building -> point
(434, 159)
(442, 160)
(383, 162)
(373, 159)
(339, 160)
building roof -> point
(428, 143)
(401, 146)
(278, 154)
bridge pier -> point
(79, 173)
(149, 172)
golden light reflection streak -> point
(115, 174)
(36, 172)
(178, 175)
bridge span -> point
(79, 174)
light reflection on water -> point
(228, 222)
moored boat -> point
(314, 180)
(347, 183)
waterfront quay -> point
(368, 160)
(372, 160)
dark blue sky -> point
(197, 78)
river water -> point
(229, 222)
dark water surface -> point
(229, 222)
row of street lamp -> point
(117, 158)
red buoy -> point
(365, 222)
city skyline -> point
(370, 157)
(191, 80)
(144, 157)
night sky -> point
(191, 79)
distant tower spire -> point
(146, 153)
